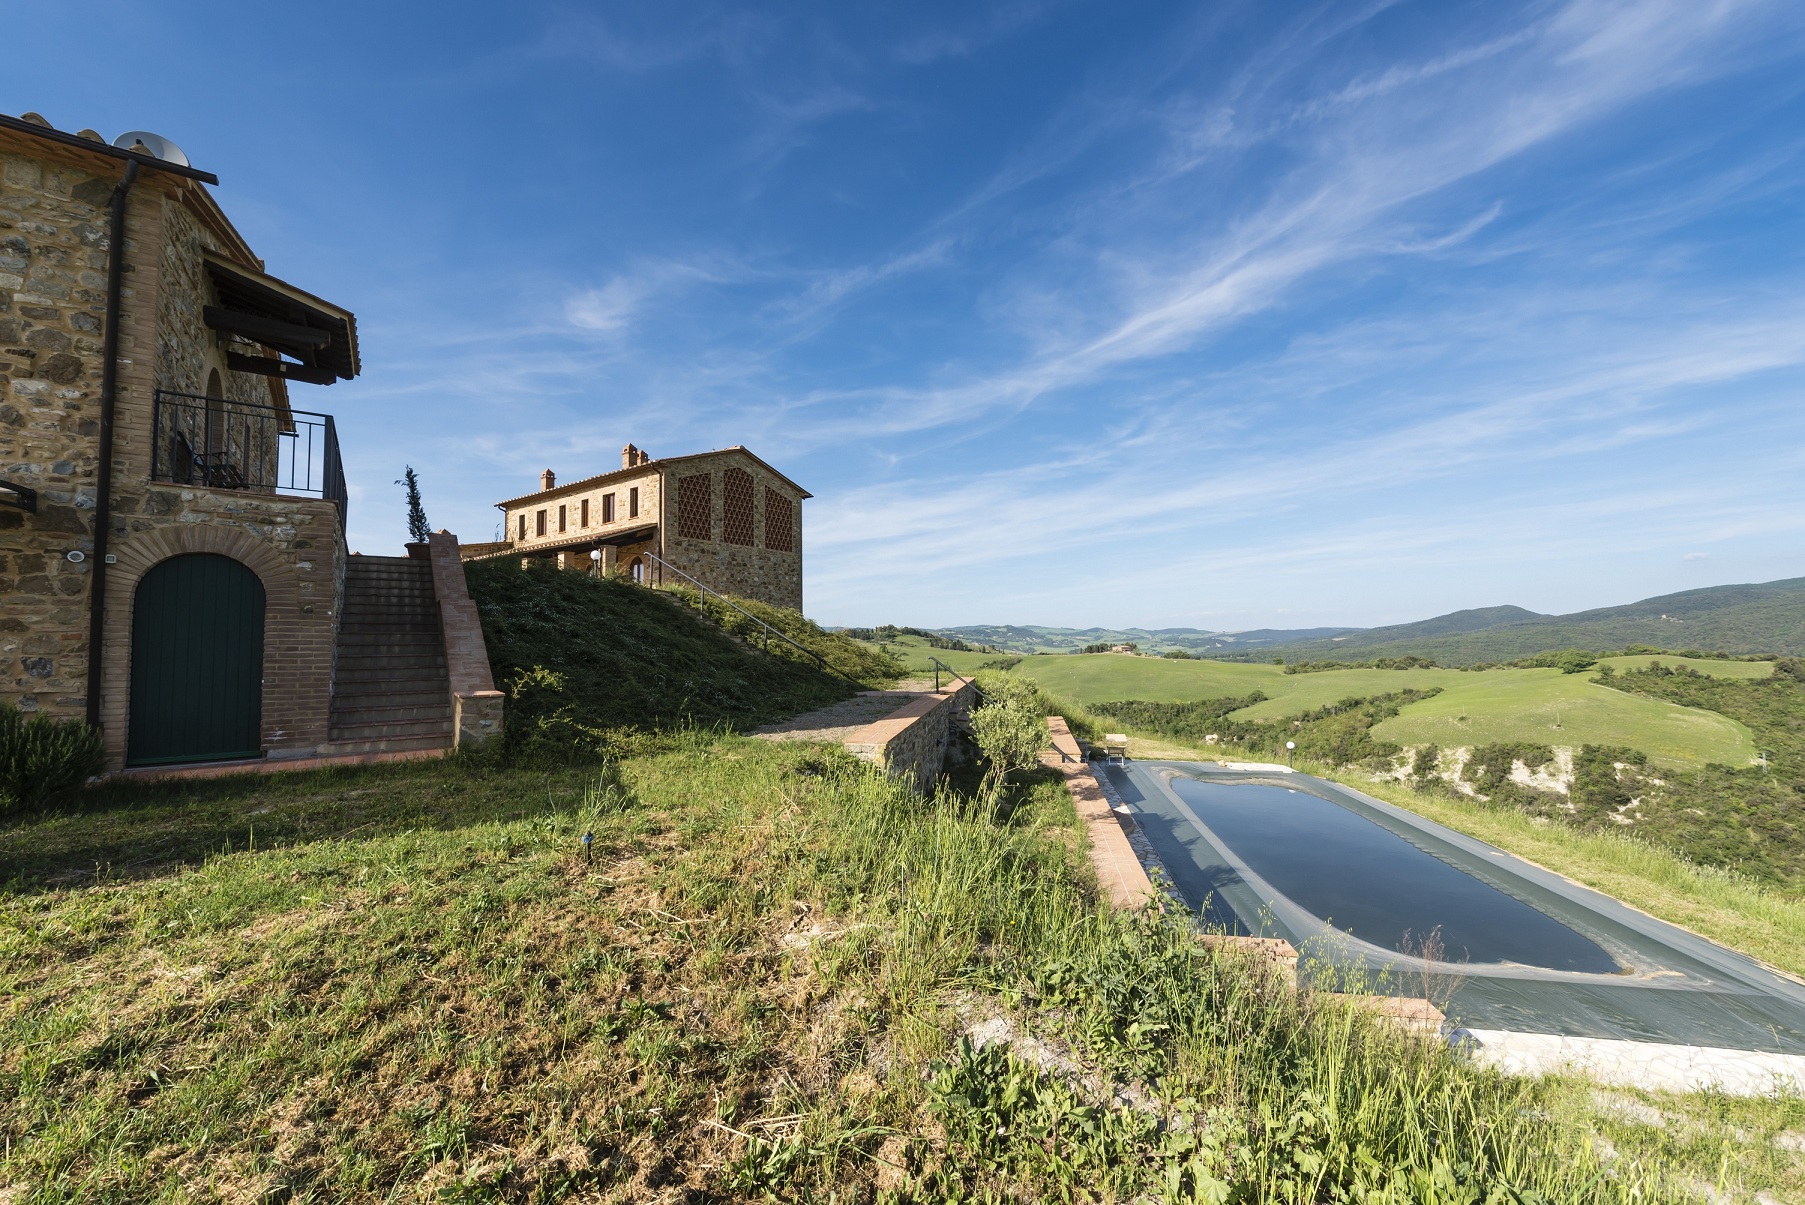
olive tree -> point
(1010, 731)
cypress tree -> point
(417, 528)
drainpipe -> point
(109, 390)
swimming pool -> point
(1344, 877)
(1372, 884)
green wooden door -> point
(197, 662)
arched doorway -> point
(197, 662)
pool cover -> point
(1358, 885)
(1371, 883)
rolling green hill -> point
(1766, 617)
(1473, 708)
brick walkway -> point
(1119, 872)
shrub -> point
(1010, 729)
(41, 757)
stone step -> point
(391, 729)
(390, 745)
(399, 659)
(385, 712)
(408, 692)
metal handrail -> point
(941, 665)
(702, 591)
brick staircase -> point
(390, 690)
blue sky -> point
(1224, 315)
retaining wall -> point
(912, 742)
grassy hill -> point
(1487, 707)
(601, 654)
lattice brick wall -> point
(780, 522)
(736, 506)
(695, 507)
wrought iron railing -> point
(225, 445)
(702, 593)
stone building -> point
(161, 500)
(726, 519)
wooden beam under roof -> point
(269, 366)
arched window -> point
(214, 439)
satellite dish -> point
(153, 144)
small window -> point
(539, 524)
(633, 503)
(607, 508)
(523, 525)
(585, 512)
(561, 516)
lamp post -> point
(1291, 753)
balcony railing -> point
(225, 445)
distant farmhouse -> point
(725, 519)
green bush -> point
(41, 757)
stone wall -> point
(53, 261)
(749, 570)
(912, 743)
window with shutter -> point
(736, 507)
(780, 522)
(695, 507)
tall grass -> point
(760, 979)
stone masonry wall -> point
(912, 743)
(53, 256)
(751, 571)
(53, 261)
(646, 483)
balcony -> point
(219, 444)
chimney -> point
(629, 457)
(547, 479)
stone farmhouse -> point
(725, 519)
(172, 551)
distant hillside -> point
(1760, 618)
(1030, 638)
(1767, 617)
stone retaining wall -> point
(912, 742)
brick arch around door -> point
(298, 631)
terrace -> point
(220, 444)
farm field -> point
(1473, 708)
(1704, 665)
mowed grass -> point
(1474, 708)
